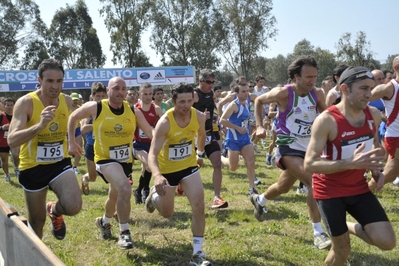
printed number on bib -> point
(49, 151)
(244, 123)
(179, 152)
(120, 153)
(301, 128)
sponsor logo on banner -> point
(151, 76)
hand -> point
(47, 115)
(5, 127)
(200, 162)
(368, 160)
(74, 149)
(160, 183)
(379, 179)
(260, 132)
(242, 130)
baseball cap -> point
(353, 74)
(75, 96)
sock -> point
(53, 210)
(317, 229)
(123, 227)
(146, 180)
(216, 197)
(141, 185)
(261, 200)
(197, 244)
(106, 220)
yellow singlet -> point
(50, 145)
(114, 134)
(178, 152)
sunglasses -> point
(208, 81)
(251, 86)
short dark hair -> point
(259, 77)
(218, 87)
(98, 87)
(239, 78)
(50, 63)
(9, 100)
(206, 73)
(181, 88)
(145, 85)
(158, 89)
(338, 72)
(295, 68)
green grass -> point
(232, 236)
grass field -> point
(232, 236)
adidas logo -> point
(159, 76)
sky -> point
(321, 22)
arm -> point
(224, 120)
(18, 133)
(330, 98)
(201, 135)
(384, 91)
(87, 110)
(323, 129)
(161, 130)
(142, 123)
(224, 101)
(274, 96)
(321, 100)
(86, 126)
(377, 175)
(159, 111)
(272, 110)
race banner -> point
(26, 80)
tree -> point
(184, 32)
(20, 24)
(126, 21)
(73, 40)
(388, 63)
(35, 53)
(276, 69)
(357, 54)
(247, 25)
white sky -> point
(322, 22)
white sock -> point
(261, 200)
(106, 220)
(123, 227)
(197, 244)
(317, 229)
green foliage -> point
(184, 32)
(246, 27)
(20, 24)
(357, 54)
(126, 21)
(73, 40)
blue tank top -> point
(241, 118)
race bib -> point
(120, 153)
(179, 152)
(244, 123)
(142, 135)
(301, 128)
(5, 134)
(49, 151)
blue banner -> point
(26, 80)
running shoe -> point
(198, 259)
(257, 181)
(76, 171)
(125, 240)
(259, 210)
(149, 203)
(138, 198)
(302, 190)
(396, 182)
(7, 178)
(268, 159)
(104, 228)
(85, 186)
(219, 203)
(58, 228)
(144, 193)
(322, 241)
(16, 171)
(252, 191)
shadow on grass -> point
(360, 258)
(177, 253)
